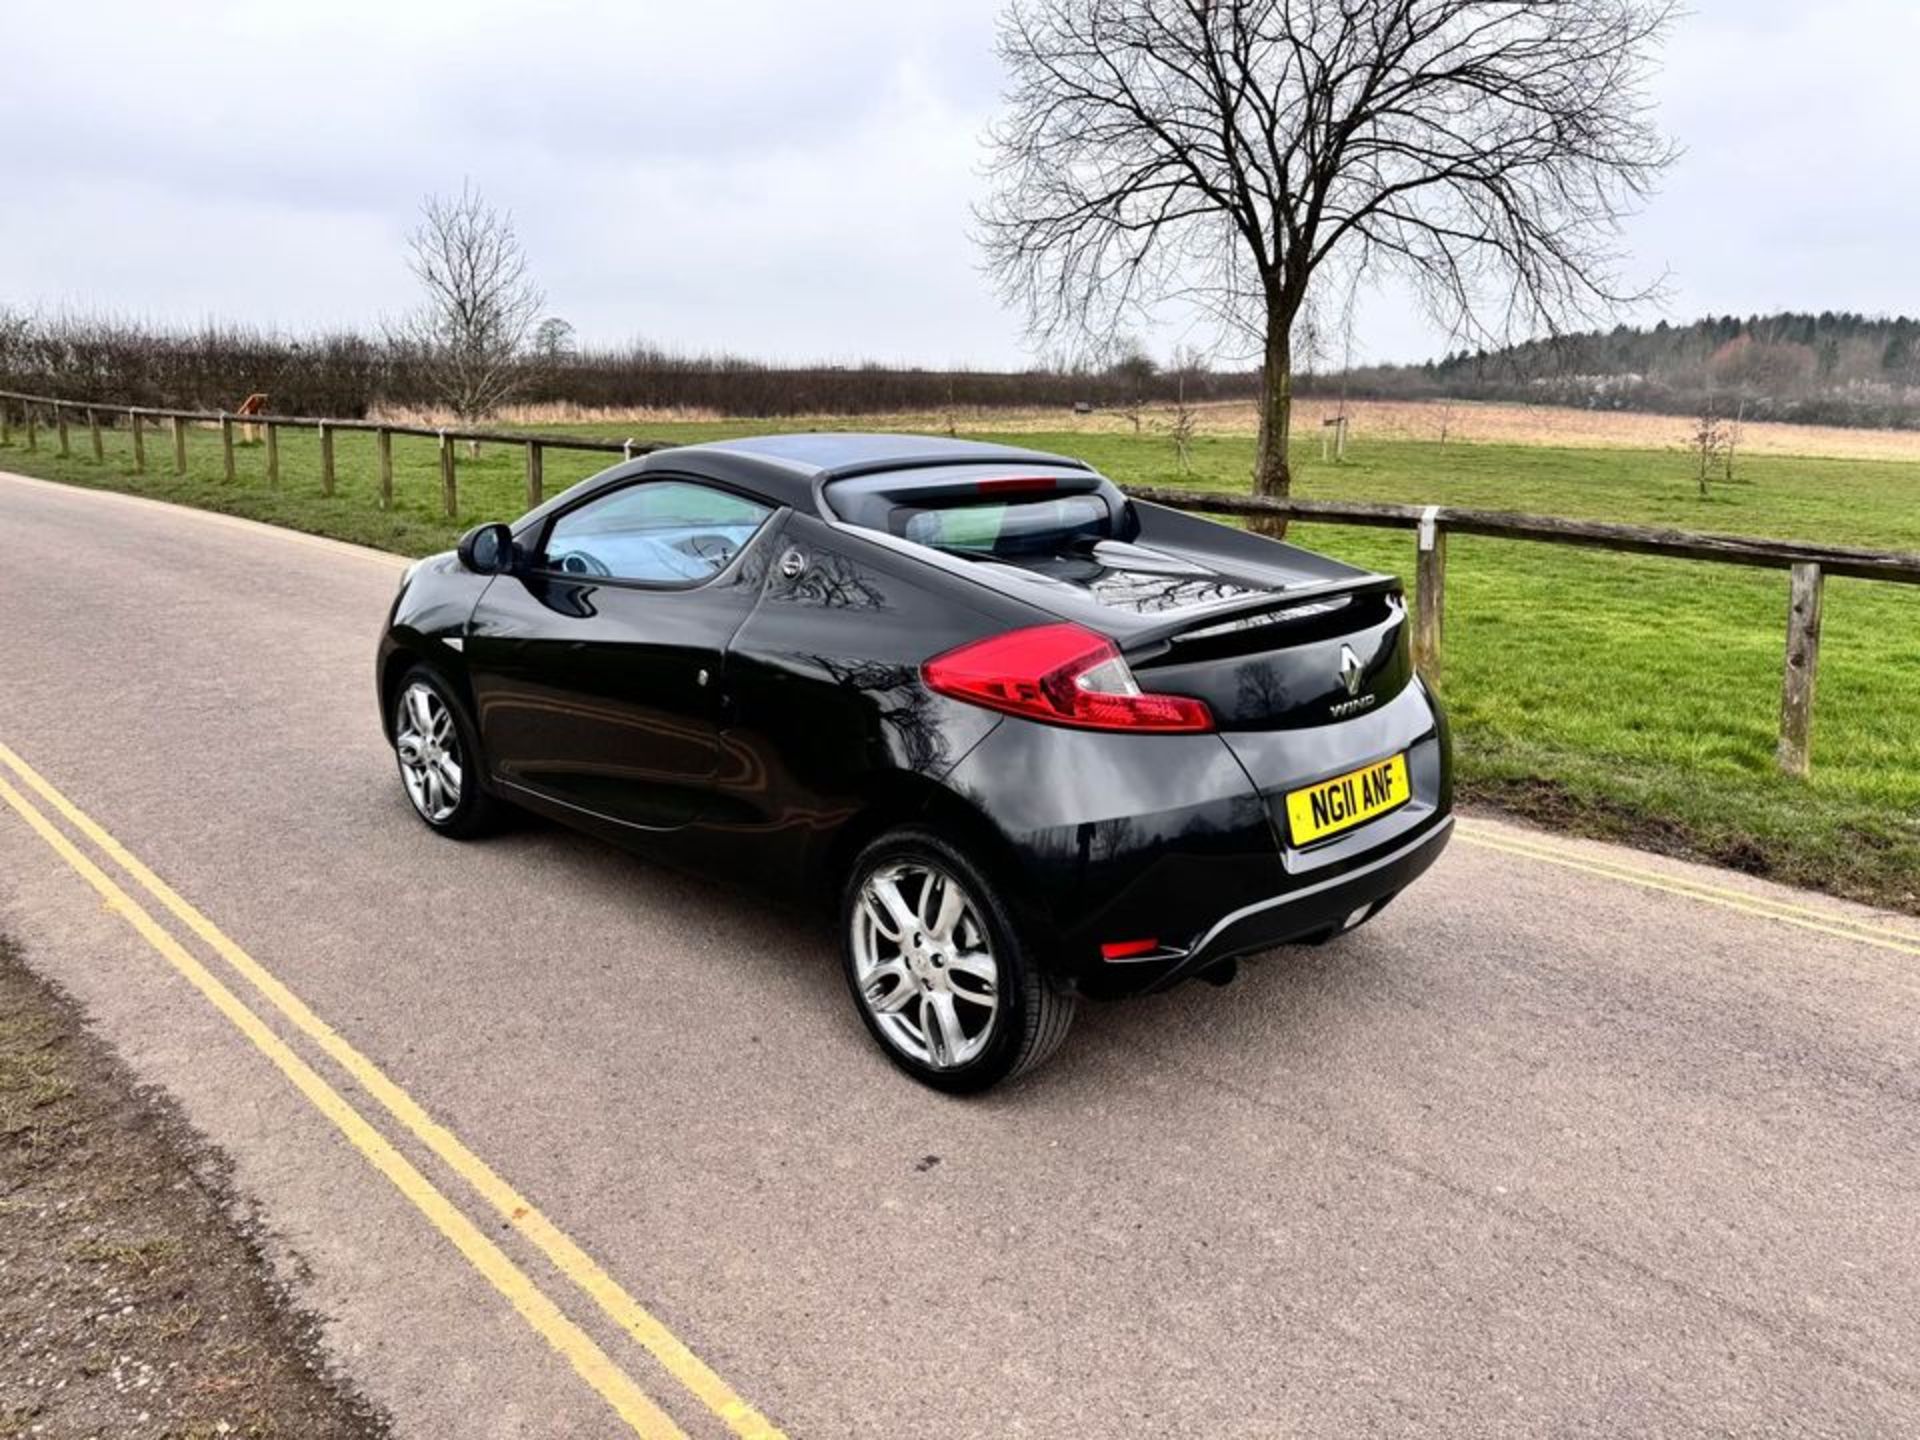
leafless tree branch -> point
(1226, 153)
(473, 330)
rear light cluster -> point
(1064, 675)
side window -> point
(662, 532)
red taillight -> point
(1064, 675)
(1128, 949)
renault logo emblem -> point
(1351, 671)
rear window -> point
(965, 511)
(1012, 527)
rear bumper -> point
(1327, 906)
(1176, 847)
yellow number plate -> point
(1347, 800)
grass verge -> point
(1615, 695)
(132, 1301)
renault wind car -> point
(1031, 739)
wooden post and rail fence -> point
(30, 408)
(1807, 564)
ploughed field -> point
(1618, 695)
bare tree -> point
(1711, 441)
(1190, 363)
(1226, 153)
(1182, 427)
(553, 341)
(16, 335)
(474, 329)
(1132, 369)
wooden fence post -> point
(536, 476)
(60, 419)
(179, 446)
(33, 432)
(273, 455)
(1334, 448)
(449, 492)
(383, 442)
(1430, 594)
(226, 446)
(93, 435)
(326, 459)
(1803, 669)
(136, 422)
(6, 422)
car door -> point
(596, 668)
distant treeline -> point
(1834, 369)
(351, 375)
(1828, 369)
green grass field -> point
(1610, 694)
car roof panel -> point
(828, 453)
(788, 469)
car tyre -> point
(438, 752)
(927, 940)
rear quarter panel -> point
(1122, 837)
(826, 712)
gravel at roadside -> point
(134, 1300)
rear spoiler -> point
(1258, 609)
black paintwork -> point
(766, 723)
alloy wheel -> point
(429, 749)
(924, 965)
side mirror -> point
(488, 550)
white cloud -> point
(780, 180)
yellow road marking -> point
(1552, 849)
(1710, 895)
(615, 1386)
(573, 1262)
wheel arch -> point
(901, 799)
(402, 655)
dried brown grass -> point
(1459, 422)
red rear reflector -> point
(1063, 675)
(1127, 949)
(1017, 485)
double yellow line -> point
(1747, 902)
(614, 1384)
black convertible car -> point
(1038, 739)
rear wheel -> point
(939, 969)
(439, 757)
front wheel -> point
(939, 969)
(439, 757)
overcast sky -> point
(775, 179)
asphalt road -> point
(1571, 1141)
